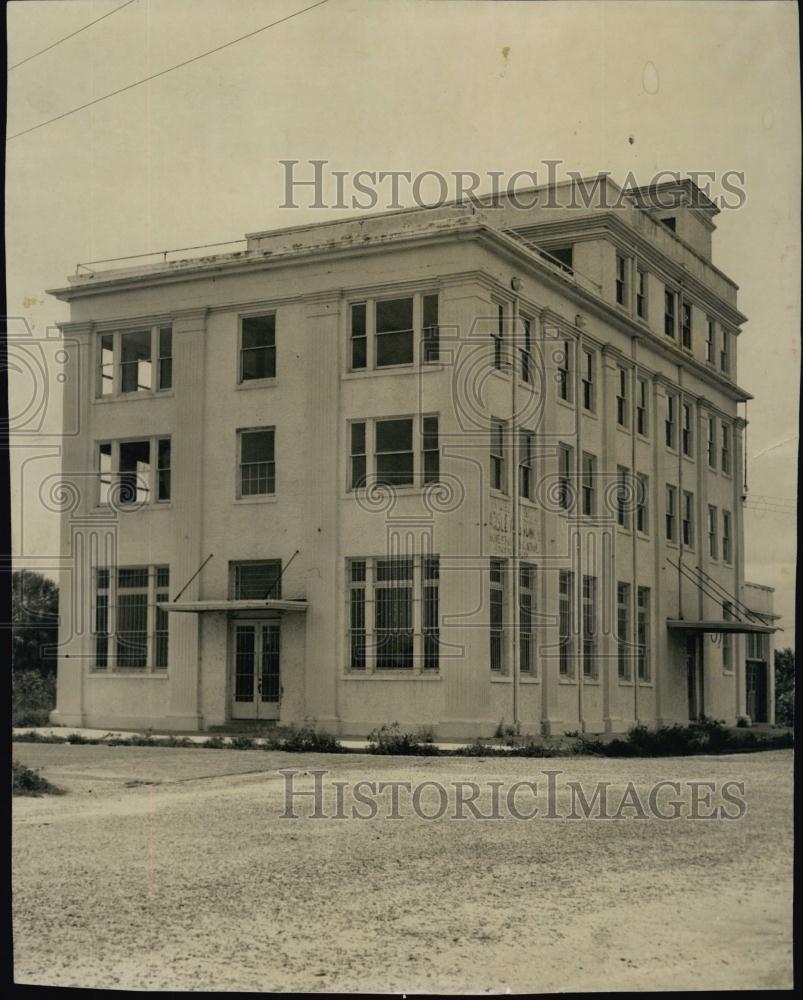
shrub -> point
(78, 740)
(25, 781)
(391, 739)
(306, 739)
(35, 737)
(243, 742)
(32, 698)
(176, 741)
(214, 743)
(706, 736)
(141, 740)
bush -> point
(32, 698)
(25, 781)
(78, 740)
(37, 738)
(214, 743)
(706, 736)
(306, 739)
(391, 739)
(243, 742)
(785, 687)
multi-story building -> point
(446, 467)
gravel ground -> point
(167, 869)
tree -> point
(785, 687)
(34, 622)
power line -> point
(74, 33)
(170, 69)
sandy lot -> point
(173, 870)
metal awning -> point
(199, 607)
(712, 625)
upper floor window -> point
(565, 476)
(498, 336)
(255, 579)
(405, 451)
(726, 448)
(622, 496)
(138, 469)
(257, 347)
(712, 532)
(671, 512)
(526, 351)
(643, 632)
(685, 326)
(726, 536)
(565, 371)
(712, 442)
(670, 222)
(687, 432)
(710, 341)
(623, 629)
(688, 519)
(671, 420)
(395, 331)
(642, 422)
(257, 462)
(135, 361)
(589, 504)
(642, 503)
(670, 301)
(498, 470)
(563, 257)
(526, 471)
(724, 354)
(621, 280)
(589, 395)
(497, 614)
(622, 408)
(641, 294)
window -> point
(563, 257)
(589, 626)
(623, 629)
(565, 372)
(641, 294)
(526, 349)
(357, 455)
(359, 336)
(394, 452)
(589, 484)
(256, 580)
(258, 347)
(135, 361)
(724, 354)
(497, 605)
(397, 460)
(642, 422)
(588, 381)
(713, 532)
(381, 596)
(643, 632)
(498, 472)
(669, 313)
(669, 222)
(687, 525)
(710, 341)
(141, 470)
(686, 432)
(685, 326)
(621, 280)
(727, 640)
(726, 536)
(498, 335)
(642, 503)
(565, 476)
(526, 609)
(398, 331)
(431, 328)
(671, 406)
(671, 513)
(565, 622)
(257, 462)
(622, 409)
(131, 632)
(394, 332)
(622, 495)
(712, 442)
(726, 448)
(526, 472)
(430, 579)
(393, 614)
(357, 585)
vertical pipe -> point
(577, 597)
(515, 517)
(633, 524)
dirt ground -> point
(166, 869)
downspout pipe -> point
(515, 555)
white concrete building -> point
(448, 467)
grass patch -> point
(25, 781)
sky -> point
(192, 157)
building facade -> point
(448, 467)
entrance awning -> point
(199, 607)
(712, 625)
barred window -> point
(357, 585)
(497, 605)
(430, 581)
(130, 631)
(526, 618)
(623, 630)
(565, 622)
(393, 613)
(256, 579)
(590, 626)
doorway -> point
(256, 671)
